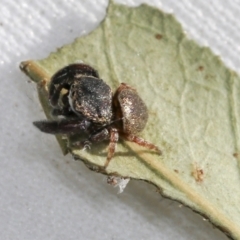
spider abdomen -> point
(133, 109)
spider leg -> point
(63, 126)
(112, 145)
(102, 135)
(142, 142)
(65, 110)
(77, 69)
(98, 136)
(54, 92)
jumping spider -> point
(89, 106)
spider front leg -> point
(63, 126)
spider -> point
(88, 106)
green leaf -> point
(193, 102)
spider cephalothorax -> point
(88, 106)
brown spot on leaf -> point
(235, 155)
(176, 171)
(158, 36)
(200, 68)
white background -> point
(44, 195)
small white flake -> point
(120, 182)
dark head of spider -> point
(84, 103)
